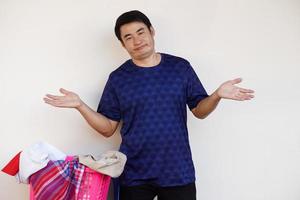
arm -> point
(206, 106)
(97, 121)
(227, 90)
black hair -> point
(128, 17)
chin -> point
(143, 55)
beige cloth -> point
(110, 163)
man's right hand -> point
(99, 122)
(68, 100)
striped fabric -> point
(94, 185)
(59, 180)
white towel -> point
(35, 158)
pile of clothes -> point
(52, 174)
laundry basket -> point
(94, 186)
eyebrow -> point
(140, 29)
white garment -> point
(35, 158)
(110, 163)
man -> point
(149, 93)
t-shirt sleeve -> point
(195, 89)
(109, 105)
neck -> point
(150, 61)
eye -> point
(128, 38)
(141, 32)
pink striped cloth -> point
(68, 180)
(58, 180)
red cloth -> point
(12, 168)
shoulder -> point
(176, 62)
(119, 72)
(173, 58)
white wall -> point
(243, 151)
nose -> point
(137, 40)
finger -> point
(50, 96)
(64, 91)
(49, 101)
(55, 103)
(238, 97)
(236, 81)
(246, 96)
(243, 90)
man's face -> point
(137, 39)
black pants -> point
(148, 192)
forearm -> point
(206, 106)
(96, 120)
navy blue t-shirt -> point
(151, 102)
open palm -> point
(228, 90)
(68, 100)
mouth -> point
(140, 48)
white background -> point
(243, 151)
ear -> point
(122, 43)
(152, 31)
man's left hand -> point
(229, 90)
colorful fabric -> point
(12, 167)
(36, 157)
(66, 178)
(58, 180)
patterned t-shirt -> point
(151, 102)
